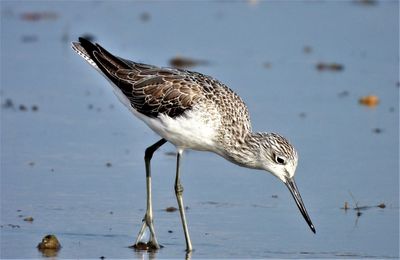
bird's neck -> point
(244, 151)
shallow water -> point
(54, 160)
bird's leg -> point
(179, 197)
(148, 217)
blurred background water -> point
(72, 155)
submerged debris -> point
(369, 101)
(344, 93)
(253, 2)
(170, 153)
(302, 115)
(8, 103)
(13, 226)
(322, 66)
(29, 38)
(37, 16)
(366, 2)
(377, 130)
(267, 65)
(89, 37)
(307, 49)
(171, 209)
(22, 107)
(145, 17)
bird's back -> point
(155, 92)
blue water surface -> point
(54, 158)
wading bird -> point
(192, 111)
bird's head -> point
(279, 157)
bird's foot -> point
(152, 244)
(149, 246)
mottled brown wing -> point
(164, 91)
(151, 90)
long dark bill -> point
(296, 195)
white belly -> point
(195, 130)
(189, 131)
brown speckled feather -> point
(152, 91)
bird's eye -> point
(280, 160)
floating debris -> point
(321, 66)
(274, 196)
(108, 164)
(369, 101)
(49, 242)
(31, 163)
(35, 108)
(381, 205)
(171, 209)
(185, 62)
(377, 130)
(170, 231)
(49, 246)
(360, 208)
(102, 257)
(28, 219)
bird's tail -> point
(104, 62)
